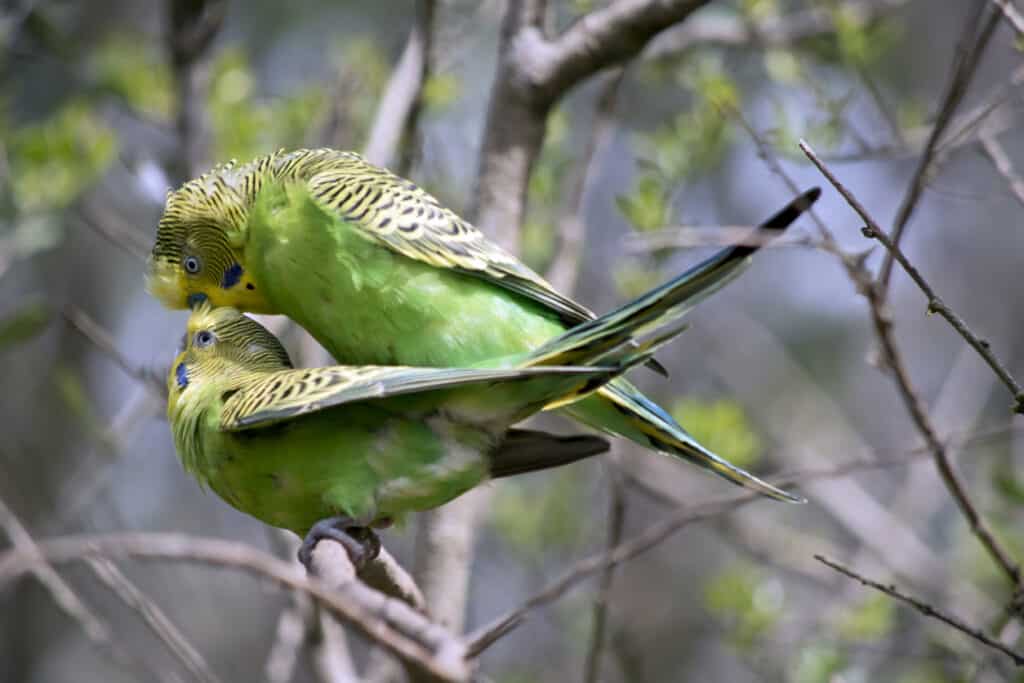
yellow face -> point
(219, 341)
(204, 271)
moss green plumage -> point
(379, 273)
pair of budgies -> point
(449, 341)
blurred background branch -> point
(572, 129)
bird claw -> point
(360, 542)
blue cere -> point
(181, 374)
(231, 276)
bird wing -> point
(284, 394)
(408, 220)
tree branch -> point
(616, 525)
(733, 30)
(398, 107)
(965, 64)
(155, 618)
(926, 609)
(386, 620)
(915, 406)
(192, 26)
(533, 73)
(935, 304)
(94, 628)
(606, 37)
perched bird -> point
(381, 274)
(334, 450)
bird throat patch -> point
(181, 375)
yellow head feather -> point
(201, 236)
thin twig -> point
(683, 515)
(935, 304)
(964, 66)
(113, 228)
(1001, 160)
(94, 332)
(616, 525)
(972, 120)
(402, 99)
(158, 622)
(1012, 15)
(926, 609)
(705, 236)
(289, 637)
(390, 622)
(915, 406)
(565, 265)
(484, 637)
(738, 31)
(65, 597)
(192, 26)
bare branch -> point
(533, 73)
(731, 30)
(565, 266)
(1012, 15)
(94, 332)
(193, 24)
(398, 107)
(605, 37)
(926, 609)
(388, 621)
(982, 113)
(444, 548)
(935, 304)
(289, 637)
(968, 56)
(1001, 160)
(689, 237)
(158, 622)
(94, 628)
(915, 406)
(683, 515)
(332, 659)
(616, 525)
(114, 229)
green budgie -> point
(381, 274)
(357, 447)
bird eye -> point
(192, 265)
(203, 338)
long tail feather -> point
(525, 450)
(609, 339)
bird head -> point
(198, 254)
(223, 343)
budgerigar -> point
(358, 446)
(381, 274)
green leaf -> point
(24, 324)
(245, 125)
(136, 71)
(818, 663)
(441, 91)
(782, 66)
(55, 160)
(750, 603)
(646, 207)
(870, 621)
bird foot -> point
(360, 542)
